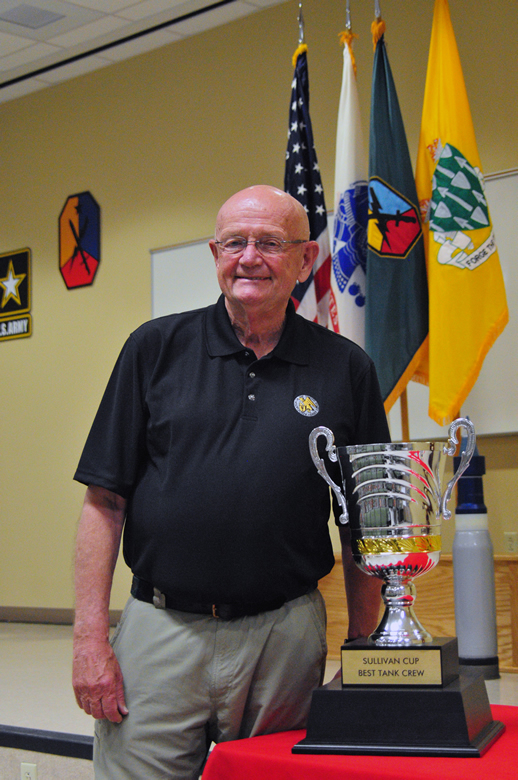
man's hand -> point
(97, 680)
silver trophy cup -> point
(392, 498)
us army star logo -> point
(15, 295)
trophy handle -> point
(320, 465)
(450, 449)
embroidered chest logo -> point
(306, 405)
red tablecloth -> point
(270, 758)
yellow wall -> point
(160, 141)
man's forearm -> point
(97, 547)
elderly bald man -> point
(199, 451)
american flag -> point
(302, 180)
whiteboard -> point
(183, 277)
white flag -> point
(347, 300)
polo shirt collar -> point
(221, 339)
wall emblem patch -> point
(15, 295)
(306, 405)
(79, 240)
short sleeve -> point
(115, 446)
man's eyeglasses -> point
(265, 246)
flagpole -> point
(378, 25)
(405, 428)
(301, 26)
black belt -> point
(144, 591)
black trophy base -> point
(454, 720)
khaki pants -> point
(193, 679)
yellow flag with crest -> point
(467, 301)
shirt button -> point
(251, 374)
(251, 397)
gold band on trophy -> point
(377, 545)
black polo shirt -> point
(210, 447)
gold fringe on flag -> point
(346, 39)
(299, 50)
(377, 30)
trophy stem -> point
(399, 624)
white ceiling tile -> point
(89, 31)
(149, 8)
(140, 45)
(10, 43)
(106, 6)
(31, 54)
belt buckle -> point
(215, 611)
(158, 599)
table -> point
(270, 758)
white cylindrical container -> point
(474, 576)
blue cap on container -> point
(470, 490)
